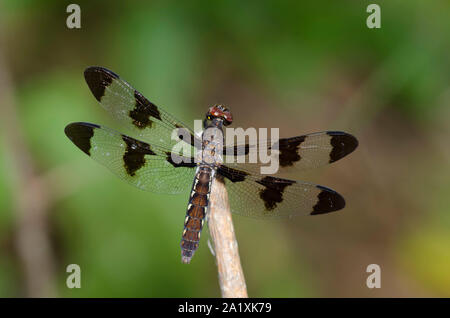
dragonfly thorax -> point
(212, 146)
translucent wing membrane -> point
(153, 163)
(271, 197)
(300, 153)
(142, 118)
(148, 167)
(149, 164)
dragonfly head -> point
(220, 112)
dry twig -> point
(231, 277)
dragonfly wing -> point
(142, 118)
(271, 197)
(299, 153)
(148, 167)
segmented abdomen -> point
(196, 212)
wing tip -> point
(80, 134)
(327, 201)
(343, 144)
(98, 78)
(99, 69)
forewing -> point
(300, 153)
(148, 167)
(142, 118)
(271, 197)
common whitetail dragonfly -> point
(148, 162)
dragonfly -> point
(148, 162)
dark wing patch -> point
(142, 111)
(289, 150)
(273, 192)
(234, 175)
(81, 135)
(328, 201)
(134, 156)
(98, 78)
(342, 144)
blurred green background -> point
(303, 67)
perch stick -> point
(231, 277)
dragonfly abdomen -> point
(196, 212)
